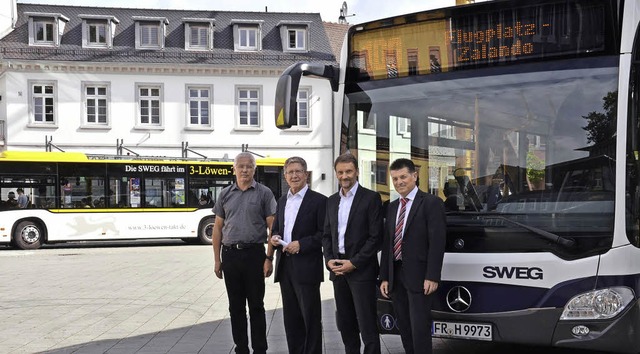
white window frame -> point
(244, 35)
(208, 101)
(403, 126)
(86, 97)
(203, 28)
(240, 101)
(301, 102)
(57, 22)
(43, 96)
(144, 24)
(147, 100)
(299, 34)
(241, 30)
(107, 22)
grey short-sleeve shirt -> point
(245, 213)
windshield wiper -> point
(563, 241)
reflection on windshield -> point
(536, 146)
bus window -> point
(81, 192)
(124, 192)
(40, 192)
(164, 192)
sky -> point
(362, 10)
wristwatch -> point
(269, 257)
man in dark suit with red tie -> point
(297, 239)
(412, 254)
(351, 239)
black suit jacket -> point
(423, 242)
(307, 230)
(362, 237)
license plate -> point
(461, 330)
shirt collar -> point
(301, 192)
(351, 191)
(412, 194)
(235, 185)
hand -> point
(275, 240)
(430, 287)
(341, 266)
(293, 247)
(267, 268)
(384, 288)
(217, 268)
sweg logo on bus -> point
(491, 272)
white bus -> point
(71, 196)
(524, 117)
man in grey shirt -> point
(244, 214)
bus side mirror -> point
(286, 103)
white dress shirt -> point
(410, 197)
(291, 211)
(343, 214)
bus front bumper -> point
(542, 327)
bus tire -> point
(205, 231)
(28, 235)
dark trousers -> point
(413, 311)
(244, 279)
(356, 314)
(302, 310)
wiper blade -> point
(563, 241)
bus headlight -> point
(598, 304)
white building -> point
(111, 80)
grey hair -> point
(296, 159)
(245, 155)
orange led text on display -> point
(468, 46)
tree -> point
(601, 126)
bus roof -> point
(56, 156)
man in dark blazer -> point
(412, 254)
(297, 240)
(351, 240)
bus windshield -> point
(516, 152)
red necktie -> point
(397, 239)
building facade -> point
(157, 82)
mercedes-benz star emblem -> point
(459, 299)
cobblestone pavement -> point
(145, 297)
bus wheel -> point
(28, 235)
(205, 234)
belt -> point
(243, 246)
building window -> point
(45, 29)
(248, 38)
(43, 32)
(199, 102)
(98, 30)
(43, 103)
(199, 37)
(248, 107)
(97, 35)
(150, 32)
(149, 98)
(149, 36)
(96, 98)
(297, 39)
(303, 108)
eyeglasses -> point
(295, 172)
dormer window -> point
(150, 32)
(45, 29)
(98, 31)
(198, 33)
(247, 35)
(294, 35)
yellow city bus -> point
(48, 197)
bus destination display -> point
(468, 39)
